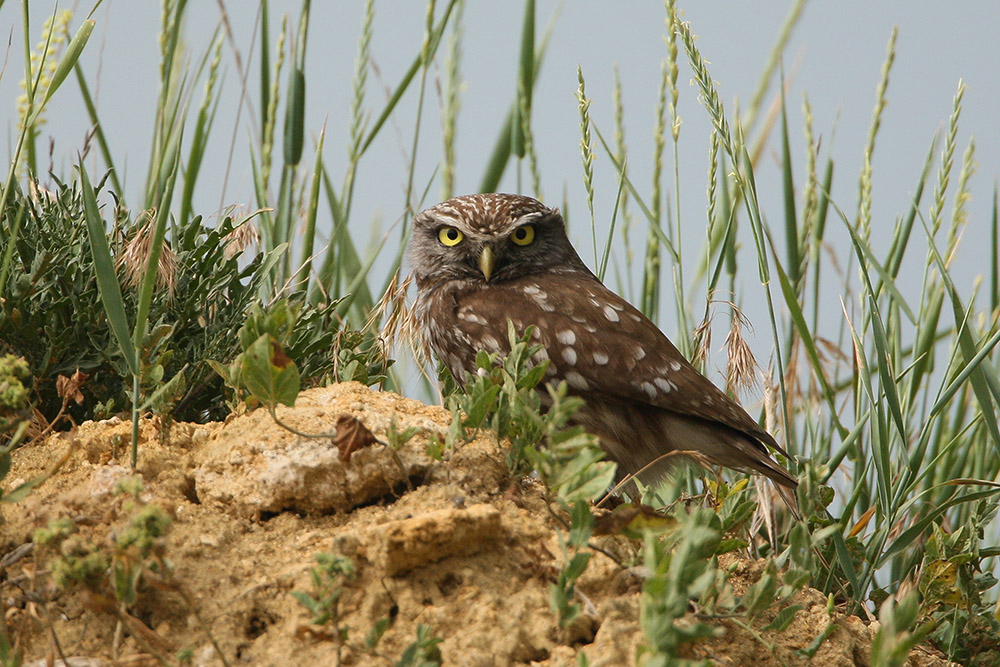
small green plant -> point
(76, 561)
(329, 580)
(576, 557)
(502, 396)
(115, 573)
(423, 652)
(138, 549)
(323, 602)
(277, 340)
(14, 405)
(898, 632)
(682, 565)
(952, 582)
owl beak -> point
(487, 261)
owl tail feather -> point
(780, 479)
(787, 494)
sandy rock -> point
(411, 543)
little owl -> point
(483, 260)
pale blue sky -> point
(835, 55)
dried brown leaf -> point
(351, 436)
(68, 388)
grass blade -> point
(435, 40)
(301, 281)
(107, 278)
(525, 82)
(788, 189)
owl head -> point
(490, 238)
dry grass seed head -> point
(135, 257)
(741, 372)
(241, 238)
(702, 335)
(400, 321)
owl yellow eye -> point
(523, 235)
(450, 236)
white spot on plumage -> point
(648, 388)
(489, 343)
(610, 313)
(675, 365)
(600, 358)
(569, 354)
(640, 354)
(577, 381)
(666, 386)
(566, 337)
(551, 370)
(540, 297)
(467, 315)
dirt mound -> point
(448, 549)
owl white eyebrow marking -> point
(452, 219)
(527, 217)
(566, 337)
(610, 313)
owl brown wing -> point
(600, 345)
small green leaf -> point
(480, 407)
(784, 618)
(268, 374)
(577, 565)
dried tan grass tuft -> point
(134, 258)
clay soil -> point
(456, 545)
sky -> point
(835, 56)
